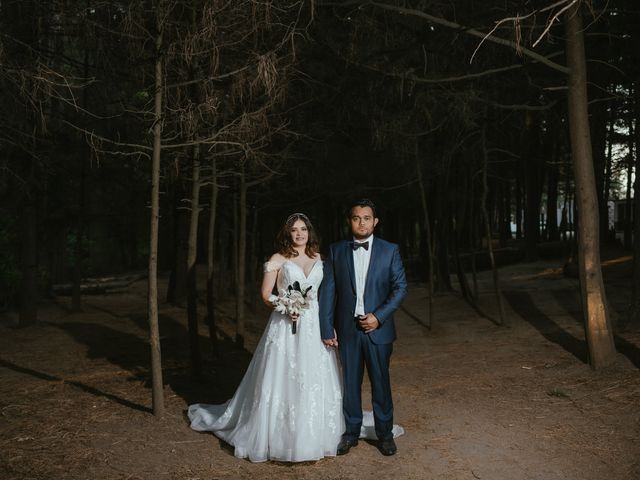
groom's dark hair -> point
(363, 202)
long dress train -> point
(288, 406)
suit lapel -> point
(372, 264)
(350, 266)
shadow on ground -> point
(220, 376)
(522, 303)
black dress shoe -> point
(345, 445)
(388, 447)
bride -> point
(288, 406)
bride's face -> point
(299, 234)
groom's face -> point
(362, 222)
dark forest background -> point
(453, 116)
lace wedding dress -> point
(288, 406)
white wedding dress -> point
(288, 406)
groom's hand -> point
(330, 342)
(368, 322)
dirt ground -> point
(477, 400)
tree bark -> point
(518, 191)
(552, 191)
(607, 176)
(242, 251)
(628, 204)
(635, 299)
(533, 186)
(177, 289)
(427, 230)
(192, 277)
(487, 222)
(595, 309)
(598, 128)
(154, 331)
(28, 314)
(211, 241)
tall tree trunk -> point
(487, 222)
(606, 194)
(192, 277)
(242, 251)
(154, 330)
(76, 298)
(473, 234)
(519, 202)
(628, 204)
(177, 289)
(553, 179)
(78, 253)
(595, 309)
(211, 241)
(635, 300)
(552, 195)
(533, 186)
(598, 128)
(504, 209)
(253, 257)
(28, 314)
(427, 230)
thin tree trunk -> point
(78, 253)
(233, 287)
(177, 289)
(473, 237)
(628, 204)
(635, 300)
(595, 309)
(192, 277)
(564, 220)
(29, 285)
(154, 331)
(607, 174)
(505, 219)
(552, 193)
(213, 205)
(427, 229)
(485, 214)
(598, 128)
(443, 231)
(76, 298)
(253, 256)
(242, 248)
(532, 187)
(519, 203)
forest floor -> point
(477, 400)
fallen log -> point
(100, 285)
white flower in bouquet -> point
(292, 300)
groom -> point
(364, 283)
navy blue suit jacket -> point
(386, 287)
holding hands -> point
(331, 342)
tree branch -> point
(473, 32)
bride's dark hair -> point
(283, 239)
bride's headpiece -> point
(297, 215)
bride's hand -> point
(294, 316)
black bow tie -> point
(357, 245)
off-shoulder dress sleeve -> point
(272, 266)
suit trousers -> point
(356, 351)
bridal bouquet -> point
(292, 300)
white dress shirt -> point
(361, 258)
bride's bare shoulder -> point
(274, 263)
(277, 258)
